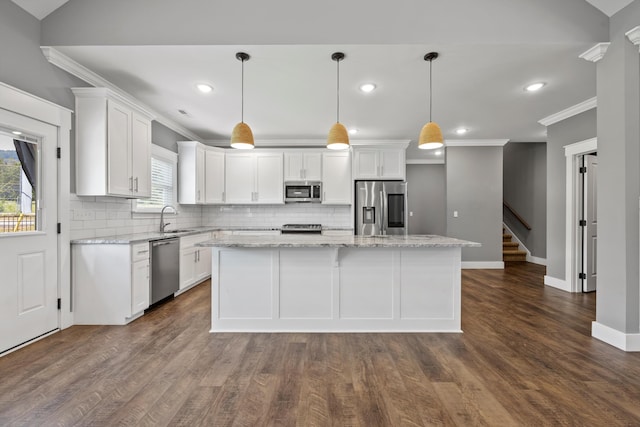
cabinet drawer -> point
(190, 241)
(140, 252)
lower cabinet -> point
(195, 262)
(110, 283)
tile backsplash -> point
(277, 215)
(113, 216)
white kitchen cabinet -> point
(195, 262)
(110, 283)
(336, 178)
(113, 145)
(200, 174)
(379, 163)
(302, 165)
(254, 178)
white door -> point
(591, 224)
(269, 181)
(336, 178)
(28, 235)
(214, 177)
(239, 178)
(119, 150)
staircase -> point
(511, 250)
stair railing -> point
(516, 214)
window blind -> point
(161, 185)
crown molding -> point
(72, 67)
(475, 142)
(634, 36)
(596, 53)
(570, 112)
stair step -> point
(510, 244)
(506, 237)
(514, 255)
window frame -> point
(168, 156)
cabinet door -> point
(119, 178)
(269, 182)
(312, 166)
(293, 166)
(366, 164)
(392, 163)
(239, 178)
(214, 177)
(336, 178)
(139, 286)
(141, 156)
(200, 174)
(203, 264)
(187, 267)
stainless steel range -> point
(302, 229)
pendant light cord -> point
(338, 91)
(242, 95)
(430, 90)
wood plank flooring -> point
(525, 358)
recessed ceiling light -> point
(534, 87)
(353, 131)
(204, 88)
(16, 132)
(461, 131)
(367, 87)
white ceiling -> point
(610, 7)
(290, 90)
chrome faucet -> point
(162, 223)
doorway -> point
(28, 230)
(588, 224)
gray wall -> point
(23, 64)
(427, 199)
(165, 137)
(618, 89)
(474, 189)
(525, 189)
(574, 129)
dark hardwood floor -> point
(525, 358)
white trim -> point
(536, 260)
(556, 283)
(475, 142)
(596, 53)
(67, 64)
(621, 340)
(425, 161)
(634, 36)
(482, 265)
(570, 112)
(571, 245)
(28, 105)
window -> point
(164, 172)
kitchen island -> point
(315, 283)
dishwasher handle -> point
(164, 242)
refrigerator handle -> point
(383, 212)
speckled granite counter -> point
(316, 283)
(320, 241)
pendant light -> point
(430, 135)
(338, 137)
(242, 137)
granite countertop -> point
(318, 241)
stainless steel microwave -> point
(302, 192)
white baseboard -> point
(481, 265)
(536, 260)
(557, 283)
(621, 340)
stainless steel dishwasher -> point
(165, 268)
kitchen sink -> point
(177, 231)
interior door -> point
(28, 254)
(591, 228)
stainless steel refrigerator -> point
(381, 208)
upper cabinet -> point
(379, 163)
(254, 178)
(200, 174)
(113, 145)
(302, 165)
(336, 178)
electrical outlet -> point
(455, 214)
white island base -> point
(335, 289)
